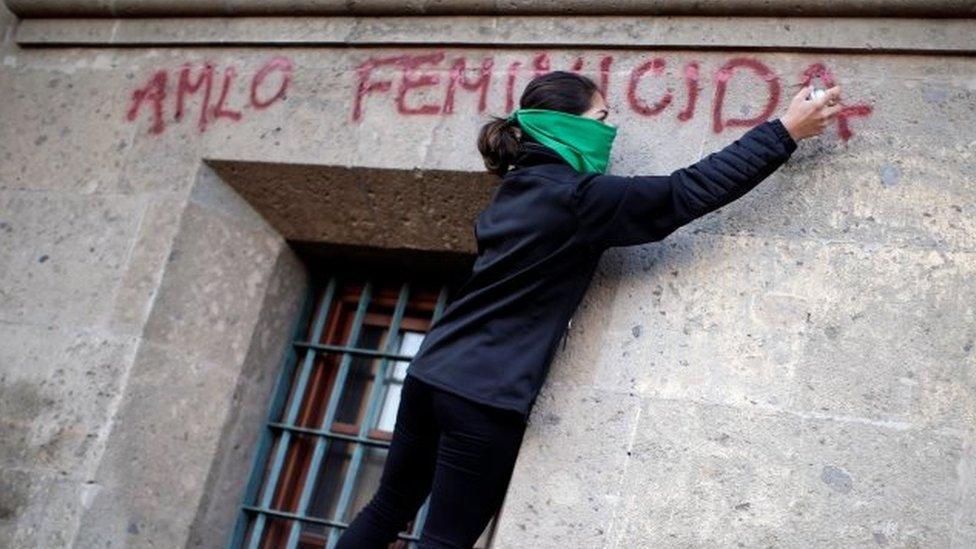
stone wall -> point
(793, 370)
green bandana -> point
(584, 142)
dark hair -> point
(499, 139)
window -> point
(321, 454)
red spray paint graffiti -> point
(425, 73)
(849, 111)
(413, 71)
(154, 93)
(656, 67)
(721, 82)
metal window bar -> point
(372, 407)
(321, 443)
(392, 343)
(263, 511)
(418, 524)
(284, 440)
(266, 440)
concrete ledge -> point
(860, 35)
(429, 210)
(830, 8)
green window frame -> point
(323, 446)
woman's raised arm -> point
(627, 210)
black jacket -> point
(539, 242)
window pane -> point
(409, 345)
(368, 480)
(349, 470)
(359, 380)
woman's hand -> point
(807, 118)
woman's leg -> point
(475, 458)
(406, 478)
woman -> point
(471, 386)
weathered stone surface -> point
(430, 210)
(167, 427)
(214, 284)
(63, 255)
(40, 510)
(721, 476)
(59, 389)
(224, 490)
(184, 381)
(964, 519)
(63, 127)
(150, 251)
(8, 22)
(863, 330)
(933, 36)
(100, 8)
(834, 302)
(575, 454)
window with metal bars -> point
(331, 418)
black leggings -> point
(459, 451)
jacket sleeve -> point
(627, 210)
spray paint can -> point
(817, 91)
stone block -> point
(39, 510)
(160, 449)
(139, 284)
(248, 410)
(215, 277)
(181, 390)
(58, 392)
(566, 485)
(705, 475)
(876, 332)
(63, 129)
(903, 177)
(63, 256)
